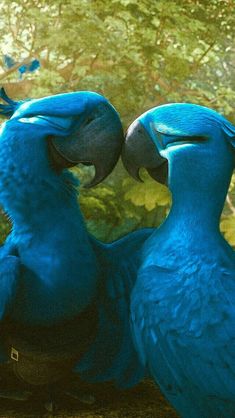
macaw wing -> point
(112, 355)
(191, 356)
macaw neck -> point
(55, 251)
(44, 214)
(197, 202)
(47, 216)
(41, 203)
(193, 220)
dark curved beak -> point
(139, 151)
(96, 141)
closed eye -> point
(168, 141)
(194, 138)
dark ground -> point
(143, 401)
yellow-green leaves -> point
(232, 184)
(227, 226)
(149, 194)
(5, 227)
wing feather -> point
(113, 355)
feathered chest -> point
(187, 300)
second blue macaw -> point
(183, 302)
(62, 291)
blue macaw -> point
(59, 285)
(183, 302)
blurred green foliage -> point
(138, 53)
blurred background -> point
(139, 54)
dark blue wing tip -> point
(9, 108)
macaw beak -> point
(140, 151)
(92, 138)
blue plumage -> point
(182, 305)
(55, 269)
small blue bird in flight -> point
(183, 302)
(32, 66)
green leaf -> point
(149, 194)
(227, 226)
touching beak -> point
(140, 151)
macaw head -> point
(61, 131)
(186, 139)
